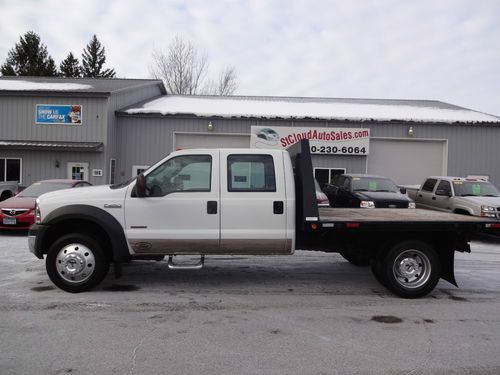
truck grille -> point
(13, 211)
(391, 204)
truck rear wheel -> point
(76, 263)
(411, 269)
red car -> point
(16, 213)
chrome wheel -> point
(75, 263)
(412, 269)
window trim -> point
(230, 189)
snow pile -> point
(296, 109)
(21, 85)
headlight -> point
(487, 208)
(412, 205)
(367, 204)
(38, 214)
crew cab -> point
(467, 196)
(238, 201)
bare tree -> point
(184, 71)
(180, 67)
(227, 83)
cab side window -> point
(187, 173)
(250, 173)
(445, 186)
(429, 184)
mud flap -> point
(447, 259)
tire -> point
(377, 270)
(5, 195)
(410, 269)
(76, 263)
(359, 260)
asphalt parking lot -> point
(310, 313)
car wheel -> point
(411, 269)
(76, 263)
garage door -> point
(408, 162)
(210, 140)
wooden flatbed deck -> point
(395, 215)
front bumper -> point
(35, 239)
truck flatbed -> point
(392, 215)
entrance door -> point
(78, 171)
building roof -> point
(263, 107)
(85, 86)
(52, 145)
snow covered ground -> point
(310, 313)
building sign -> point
(58, 114)
(334, 141)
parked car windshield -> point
(39, 188)
(475, 188)
(373, 184)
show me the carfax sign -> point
(334, 141)
(58, 114)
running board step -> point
(196, 266)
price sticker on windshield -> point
(476, 189)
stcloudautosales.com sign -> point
(335, 141)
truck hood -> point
(82, 195)
(381, 196)
(486, 201)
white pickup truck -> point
(466, 196)
(8, 189)
(238, 201)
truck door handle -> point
(278, 207)
(212, 207)
(420, 195)
(433, 198)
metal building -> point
(64, 128)
(108, 130)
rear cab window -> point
(250, 173)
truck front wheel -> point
(76, 263)
(411, 269)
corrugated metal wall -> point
(472, 149)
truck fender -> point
(114, 230)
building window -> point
(326, 175)
(250, 173)
(112, 169)
(138, 169)
(10, 169)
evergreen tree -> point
(70, 67)
(29, 57)
(93, 59)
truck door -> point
(253, 209)
(181, 212)
(425, 194)
(442, 195)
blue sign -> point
(58, 114)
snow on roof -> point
(297, 108)
(24, 85)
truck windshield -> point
(475, 188)
(373, 184)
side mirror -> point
(402, 190)
(140, 186)
(444, 193)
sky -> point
(446, 50)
